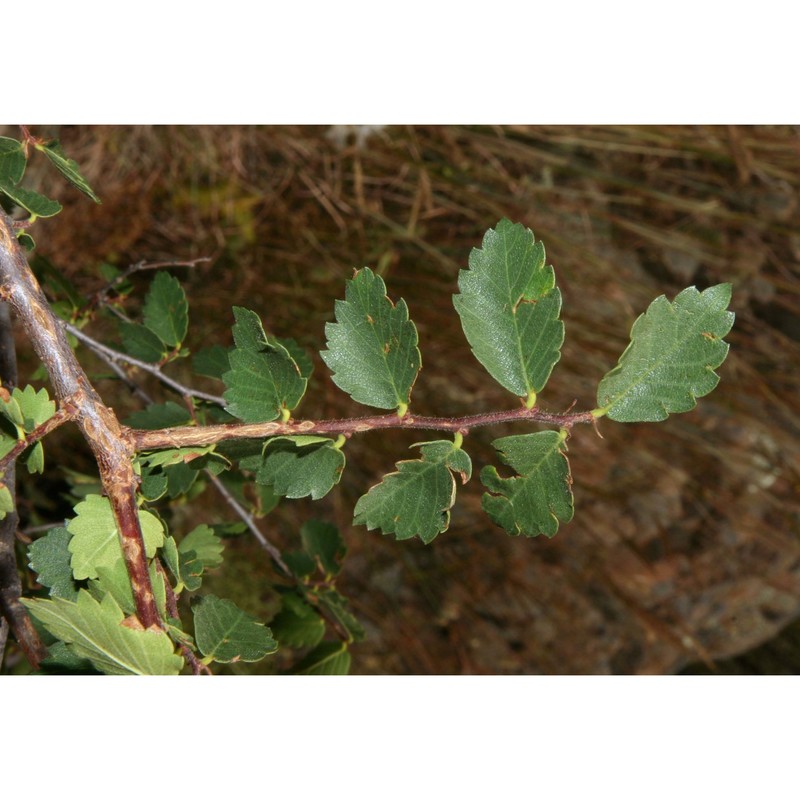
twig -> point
(152, 369)
(61, 416)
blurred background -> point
(683, 554)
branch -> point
(112, 448)
(39, 432)
(153, 369)
(212, 434)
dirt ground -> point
(684, 548)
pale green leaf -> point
(372, 347)
(94, 631)
(264, 382)
(225, 633)
(670, 360)
(166, 312)
(6, 501)
(509, 309)
(299, 466)
(115, 581)
(49, 558)
(206, 545)
(323, 542)
(95, 541)
(416, 500)
(33, 202)
(12, 161)
(540, 495)
(67, 167)
(36, 407)
(33, 459)
(327, 658)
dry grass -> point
(684, 546)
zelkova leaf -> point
(225, 633)
(140, 342)
(509, 307)
(323, 542)
(540, 495)
(327, 658)
(372, 347)
(166, 312)
(297, 624)
(95, 631)
(33, 202)
(95, 542)
(36, 407)
(206, 545)
(49, 558)
(298, 466)
(12, 161)
(264, 381)
(670, 361)
(416, 500)
(67, 167)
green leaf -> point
(36, 407)
(153, 485)
(33, 202)
(12, 161)
(670, 360)
(372, 347)
(298, 466)
(323, 542)
(211, 361)
(206, 545)
(140, 342)
(94, 631)
(541, 495)
(166, 312)
(95, 542)
(225, 633)
(6, 501)
(190, 571)
(327, 658)
(264, 382)
(33, 459)
(67, 167)
(416, 500)
(115, 581)
(49, 558)
(509, 309)
(297, 624)
(336, 605)
(300, 356)
(159, 415)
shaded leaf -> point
(416, 500)
(670, 361)
(206, 545)
(159, 415)
(327, 658)
(49, 557)
(297, 624)
(166, 312)
(140, 342)
(323, 542)
(540, 495)
(211, 361)
(509, 309)
(12, 161)
(336, 605)
(372, 347)
(33, 202)
(264, 382)
(225, 633)
(67, 167)
(6, 501)
(94, 631)
(95, 541)
(298, 466)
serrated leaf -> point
(115, 581)
(372, 347)
(206, 545)
(140, 342)
(297, 624)
(211, 361)
(190, 571)
(323, 542)
(225, 633)
(327, 658)
(264, 380)
(49, 558)
(416, 500)
(94, 631)
(36, 407)
(166, 312)
(670, 360)
(509, 309)
(336, 605)
(159, 415)
(12, 161)
(298, 466)
(95, 541)
(68, 168)
(33, 202)
(299, 355)
(169, 555)
(153, 485)
(540, 495)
